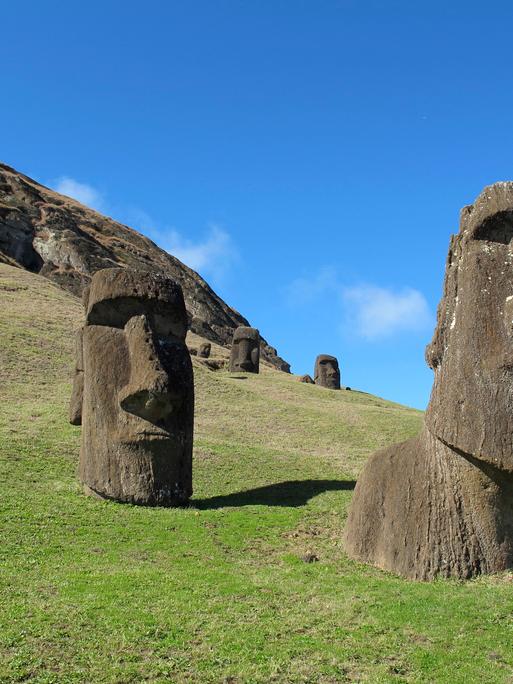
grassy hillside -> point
(96, 591)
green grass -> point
(95, 591)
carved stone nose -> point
(148, 393)
(151, 405)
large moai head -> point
(134, 392)
(327, 372)
(471, 406)
(442, 502)
(245, 353)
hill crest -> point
(59, 238)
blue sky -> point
(309, 158)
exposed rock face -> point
(306, 378)
(327, 373)
(61, 239)
(245, 354)
(442, 503)
(204, 350)
(134, 390)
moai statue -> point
(245, 354)
(441, 504)
(306, 378)
(133, 392)
(204, 350)
(327, 373)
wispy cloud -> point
(368, 311)
(213, 255)
(82, 192)
(378, 312)
(305, 290)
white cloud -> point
(368, 311)
(377, 312)
(82, 192)
(215, 254)
(306, 290)
(212, 256)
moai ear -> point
(255, 356)
(77, 394)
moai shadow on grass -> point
(245, 352)
(441, 504)
(133, 392)
(327, 372)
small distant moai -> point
(133, 391)
(327, 372)
(306, 378)
(204, 350)
(441, 504)
(245, 353)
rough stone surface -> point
(77, 393)
(133, 392)
(327, 373)
(204, 350)
(306, 378)
(245, 354)
(59, 238)
(442, 503)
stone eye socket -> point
(497, 228)
(164, 319)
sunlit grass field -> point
(221, 591)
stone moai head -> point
(327, 373)
(245, 354)
(441, 503)
(204, 350)
(133, 392)
(471, 406)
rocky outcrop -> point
(442, 503)
(58, 237)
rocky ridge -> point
(65, 241)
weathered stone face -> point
(442, 503)
(327, 373)
(138, 395)
(245, 353)
(471, 405)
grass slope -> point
(96, 591)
